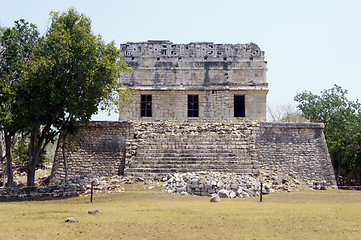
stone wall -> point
(215, 72)
(168, 147)
(156, 148)
(297, 149)
(213, 104)
(98, 149)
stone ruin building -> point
(195, 81)
(196, 107)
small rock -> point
(284, 180)
(215, 198)
(184, 194)
(71, 219)
(148, 182)
(95, 182)
(223, 193)
(94, 211)
(232, 194)
(211, 191)
(114, 181)
(181, 189)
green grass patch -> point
(152, 214)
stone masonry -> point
(165, 147)
(150, 149)
(297, 149)
(97, 149)
(197, 107)
(216, 73)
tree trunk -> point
(338, 173)
(9, 161)
(2, 158)
(1, 147)
(357, 174)
(34, 154)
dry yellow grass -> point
(152, 214)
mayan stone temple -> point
(195, 81)
(197, 108)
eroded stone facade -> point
(151, 149)
(229, 81)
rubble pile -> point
(228, 185)
(74, 187)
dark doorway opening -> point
(239, 106)
(146, 105)
(193, 106)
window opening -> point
(239, 106)
(193, 106)
(145, 105)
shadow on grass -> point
(30, 198)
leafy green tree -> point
(17, 45)
(72, 72)
(342, 120)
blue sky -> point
(309, 45)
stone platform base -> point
(156, 148)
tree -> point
(285, 113)
(72, 72)
(342, 120)
(17, 45)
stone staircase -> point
(197, 150)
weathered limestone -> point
(71, 219)
(98, 149)
(151, 149)
(215, 198)
(164, 147)
(297, 149)
(200, 107)
(214, 72)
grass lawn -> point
(152, 214)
